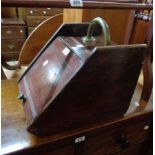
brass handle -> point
(36, 10)
(11, 46)
(9, 32)
(105, 29)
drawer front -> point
(55, 11)
(138, 149)
(43, 11)
(34, 21)
(9, 32)
(67, 150)
(38, 11)
(12, 45)
(10, 56)
(119, 139)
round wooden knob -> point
(124, 142)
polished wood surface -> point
(29, 50)
(86, 4)
(16, 140)
(16, 32)
(140, 32)
(59, 73)
(43, 11)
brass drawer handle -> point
(11, 46)
(9, 32)
(22, 97)
(37, 21)
(36, 10)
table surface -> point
(97, 4)
(14, 136)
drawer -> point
(30, 29)
(12, 45)
(137, 149)
(9, 32)
(38, 11)
(55, 11)
(34, 20)
(42, 11)
(10, 56)
(116, 140)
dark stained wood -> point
(147, 67)
(36, 20)
(12, 45)
(86, 4)
(43, 11)
(137, 149)
(88, 72)
(9, 32)
(16, 140)
(9, 56)
(76, 29)
(13, 28)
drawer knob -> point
(124, 142)
(11, 46)
(21, 96)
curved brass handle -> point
(105, 29)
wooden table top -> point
(14, 136)
(97, 4)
